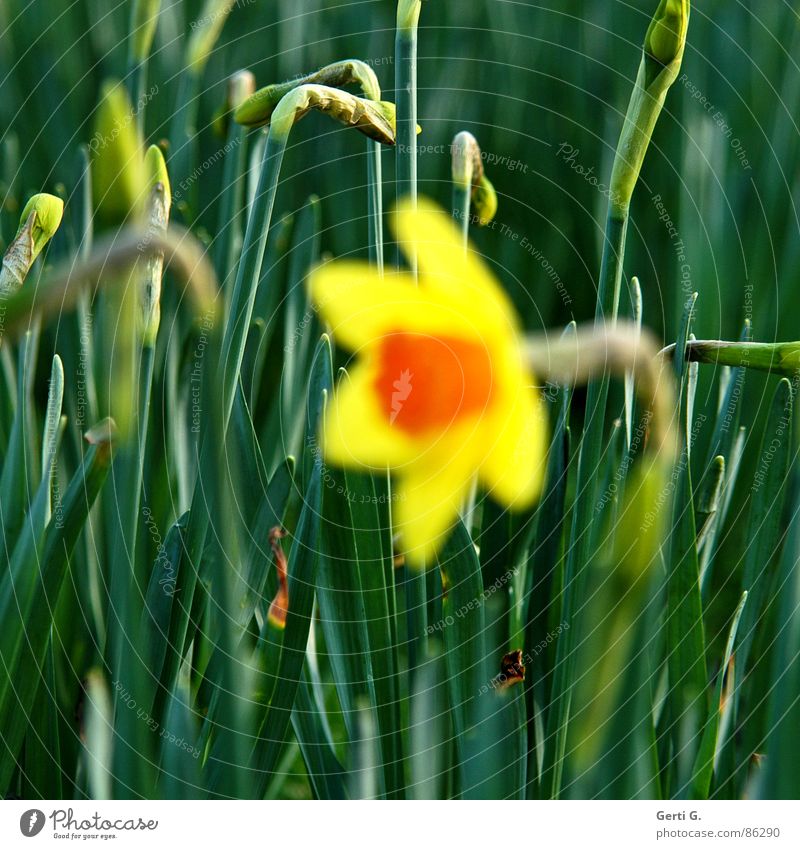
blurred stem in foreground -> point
(661, 59)
(132, 773)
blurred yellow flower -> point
(439, 391)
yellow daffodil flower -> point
(440, 390)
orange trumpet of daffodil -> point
(439, 391)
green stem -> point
(126, 591)
(375, 202)
(584, 513)
(406, 94)
(406, 184)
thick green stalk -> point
(128, 583)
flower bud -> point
(374, 119)
(661, 60)
(117, 162)
(666, 36)
(257, 110)
(38, 223)
(467, 170)
(159, 203)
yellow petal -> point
(445, 266)
(428, 499)
(357, 433)
(358, 303)
(513, 470)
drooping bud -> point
(257, 110)
(38, 223)
(206, 31)
(468, 171)
(374, 119)
(159, 203)
(117, 161)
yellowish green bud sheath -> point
(661, 60)
(38, 223)
(484, 199)
(117, 161)
(159, 203)
(408, 14)
(257, 109)
(205, 32)
(144, 17)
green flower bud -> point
(666, 37)
(159, 203)
(117, 161)
(256, 110)
(38, 223)
(661, 60)
(467, 170)
(144, 18)
(206, 31)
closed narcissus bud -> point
(38, 223)
(117, 161)
(159, 203)
(666, 35)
